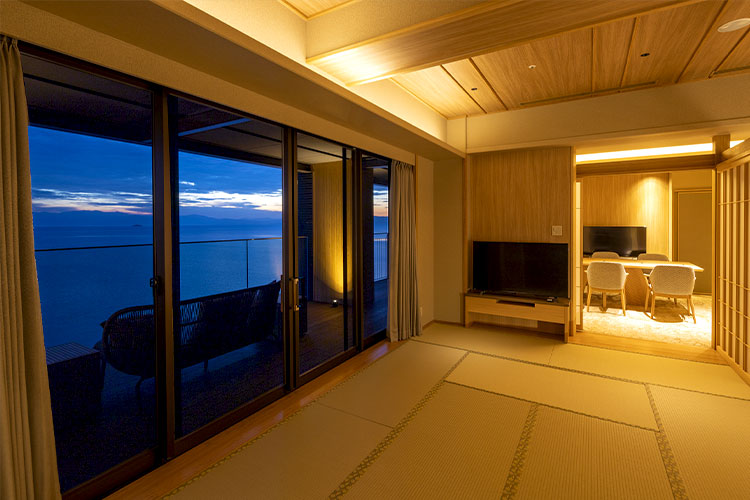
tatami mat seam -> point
(582, 372)
(550, 406)
(351, 414)
(235, 452)
(275, 426)
(667, 456)
(362, 467)
(646, 353)
(519, 458)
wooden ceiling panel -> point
(610, 51)
(563, 69)
(716, 46)
(476, 30)
(670, 37)
(435, 87)
(473, 82)
(739, 58)
(310, 8)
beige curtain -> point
(28, 464)
(403, 306)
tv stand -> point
(517, 307)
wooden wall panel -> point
(629, 200)
(519, 195)
(733, 268)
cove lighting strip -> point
(642, 153)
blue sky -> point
(73, 172)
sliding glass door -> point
(375, 180)
(195, 263)
(324, 236)
(228, 339)
(91, 174)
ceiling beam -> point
(646, 165)
(476, 30)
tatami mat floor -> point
(488, 413)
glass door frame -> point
(166, 272)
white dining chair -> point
(675, 282)
(653, 256)
(606, 277)
(605, 255)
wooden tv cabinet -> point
(515, 307)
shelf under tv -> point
(511, 306)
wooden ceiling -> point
(311, 8)
(577, 49)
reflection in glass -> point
(90, 146)
(324, 224)
(375, 179)
(228, 339)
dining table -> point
(636, 286)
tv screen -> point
(626, 241)
(523, 269)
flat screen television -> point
(538, 270)
(626, 241)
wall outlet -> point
(556, 230)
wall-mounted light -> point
(649, 152)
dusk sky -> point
(73, 172)
(78, 172)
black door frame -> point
(166, 272)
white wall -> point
(426, 239)
(448, 237)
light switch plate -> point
(556, 230)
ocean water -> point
(81, 287)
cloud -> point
(140, 203)
(187, 183)
(123, 202)
(270, 202)
(380, 202)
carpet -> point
(601, 397)
(672, 323)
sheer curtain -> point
(403, 306)
(28, 464)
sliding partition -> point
(195, 264)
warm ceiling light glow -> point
(737, 24)
(642, 153)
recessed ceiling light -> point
(737, 24)
(532, 66)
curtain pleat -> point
(403, 304)
(28, 463)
